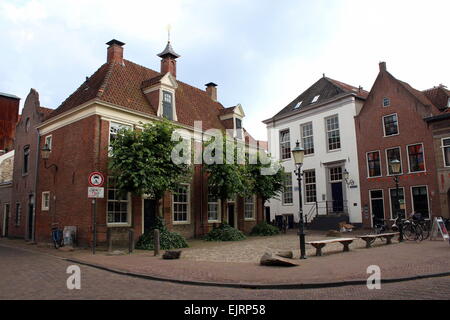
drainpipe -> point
(38, 153)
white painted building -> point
(322, 120)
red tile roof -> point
(440, 96)
(359, 92)
(121, 85)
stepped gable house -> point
(121, 94)
(391, 127)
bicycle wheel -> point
(419, 232)
(425, 230)
(409, 232)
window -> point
(420, 200)
(180, 207)
(114, 129)
(48, 141)
(333, 134)
(45, 201)
(391, 155)
(17, 216)
(287, 189)
(213, 208)
(386, 102)
(26, 159)
(446, 151)
(416, 158)
(307, 138)
(336, 174)
(167, 105)
(314, 100)
(373, 164)
(298, 105)
(390, 125)
(27, 125)
(310, 185)
(285, 145)
(118, 204)
(401, 199)
(249, 208)
(238, 128)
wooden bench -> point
(370, 238)
(322, 243)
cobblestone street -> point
(30, 275)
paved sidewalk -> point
(399, 260)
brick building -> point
(389, 127)
(22, 209)
(6, 173)
(121, 94)
(9, 115)
(440, 126)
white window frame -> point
(253, 217)
(292, 192)
(44, 206)
(367, 164)
(288, 142)
(122, 125)
(387, 160)
(424, 162)
(48, 141)
(389, 102)
(303, 137)
(118, 224)
(219, 211)
(428, 199)
(328, 131)
(384, 127)
(188, 213)
(443, 151)
(390, 201)
(306, 184)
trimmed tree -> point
(141, 162)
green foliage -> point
(225, 180)
(141, 160)
(264, 229)
(168, 240)
(224, 232)
(265, 180)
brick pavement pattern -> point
(30, 274)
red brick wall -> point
(24, 184)
(370, 137)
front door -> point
(420, 201)
(231, 214)
(377, 202)
(149, 214)
(337, 196)
(268, 214)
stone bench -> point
(370, 238)
(322, 243)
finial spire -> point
(168, 32)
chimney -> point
(383, 66)
(115, 51)
(168, 62)
(211, 88)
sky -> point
(261, 53)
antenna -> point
(168, 32)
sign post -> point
(439, 228)
(95, 191)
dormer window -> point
(167, 105)
(298, 105)
(238, 125)
(316, 98)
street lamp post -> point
(396, 165)
(298, 154)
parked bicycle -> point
(381, 226)
(57, 236)
(424, 224)
(415, 228)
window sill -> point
(118, 225)
(413, 172)
(287, 204)
(214, 221)
(391, 135)
(374, 177)
(334, 150)
(180, 223)
(249, 219)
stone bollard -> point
(156, 243)
(130, 240)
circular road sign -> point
(96, 179)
